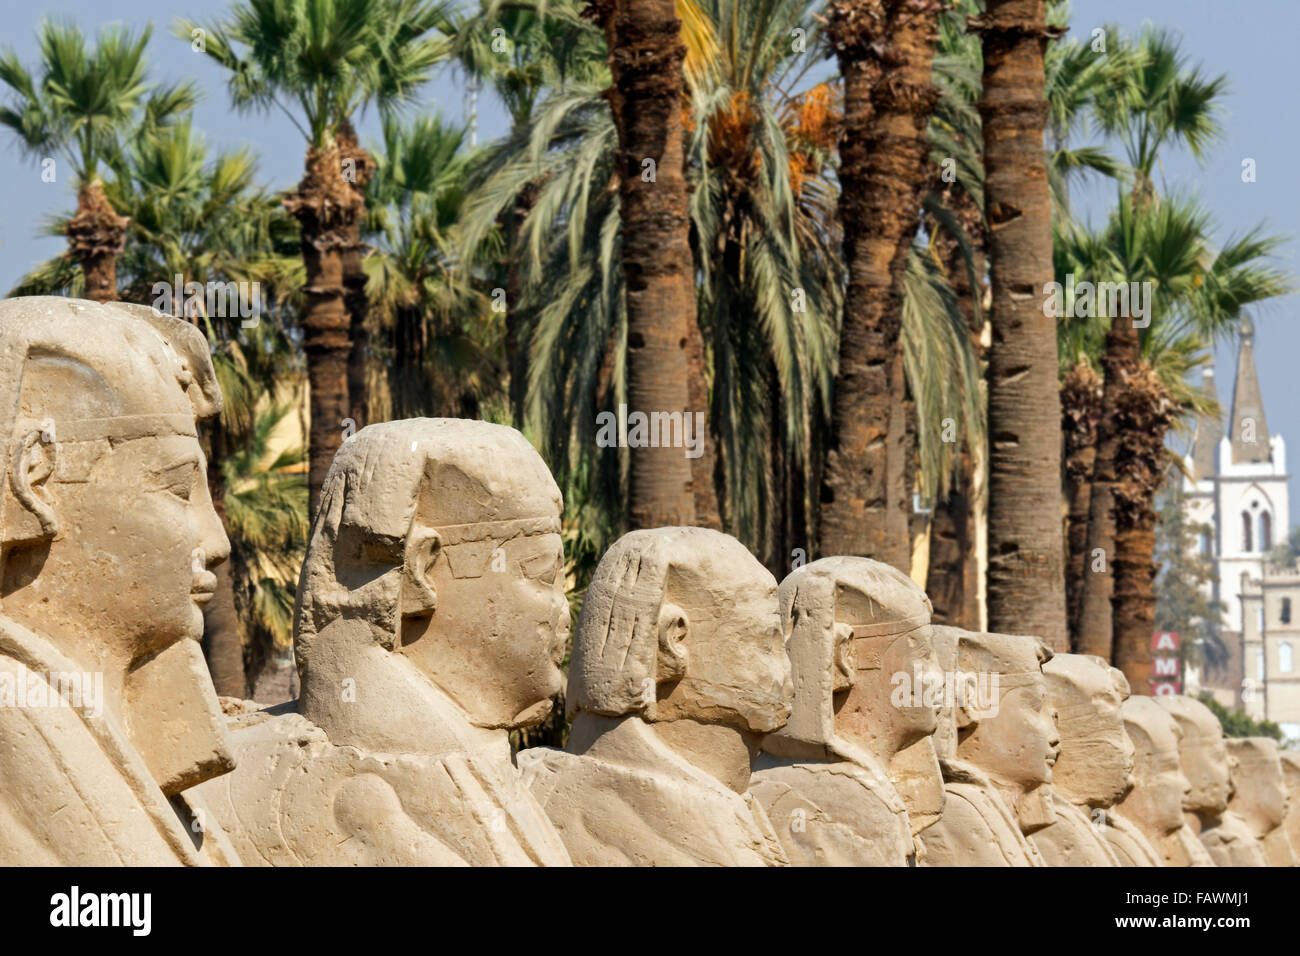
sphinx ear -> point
(419, 598)
(28, 514)
(672, 655)
(843, 664)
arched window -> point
(1265, 531)
(1284, 657)
(1247, 544)
(1286, 610)
(1207, 544)
(1259, 664)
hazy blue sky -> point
(1252, 41)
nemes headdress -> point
(896, 606)
(615, 646)
(478, 485)
(78, 376)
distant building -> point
(1238, 486)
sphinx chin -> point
(531, 716)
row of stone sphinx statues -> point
(717, 718)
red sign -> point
(1166, 642)
(1166, 668)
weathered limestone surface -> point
(430, 620)
(1204, 759)
(678, 671)
(109, 537)
(824, 778)
(1095, 768)
(997, 776)
(1259, 796)
(1153, 809)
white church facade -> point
(1237, 485)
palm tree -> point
(763, 214)
(1026, 579)
(84, 105)
(646, 54)
(1158, 102)
(438, 352)
(522, 50)
(265, 509)
(957, 243)
(1197, 296)
(327, 61)
(864, 495)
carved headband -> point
(497, 530)
(878, 637)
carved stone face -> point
(1097, 756)
(437, 540)
(151, 562)
(1260, 796)
(1156, 802)
(1203, 753)
(127, 488)
(1018, 745)
(518, 614)
(736, 669)
(867, 710)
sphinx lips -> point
(204, 587)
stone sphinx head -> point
(1156, 802)
(1015, 742)
(1096, 762)
(435, 558)
(859, 631)
(1260, 793)
(1203, 754)
(681, 623)
(107, 531)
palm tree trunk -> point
(326, 208)
(952, 579)
(1081, 397)
(361, 167)
(1095, 627)
(1026, 573)
(775, 506)
(707, 514)
(96, 237)
(517, 343)
(646, 54)
(1143, 415)
(885, 49)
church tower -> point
(1238, 486)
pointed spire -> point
(1249, 427)
(1209, 432)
